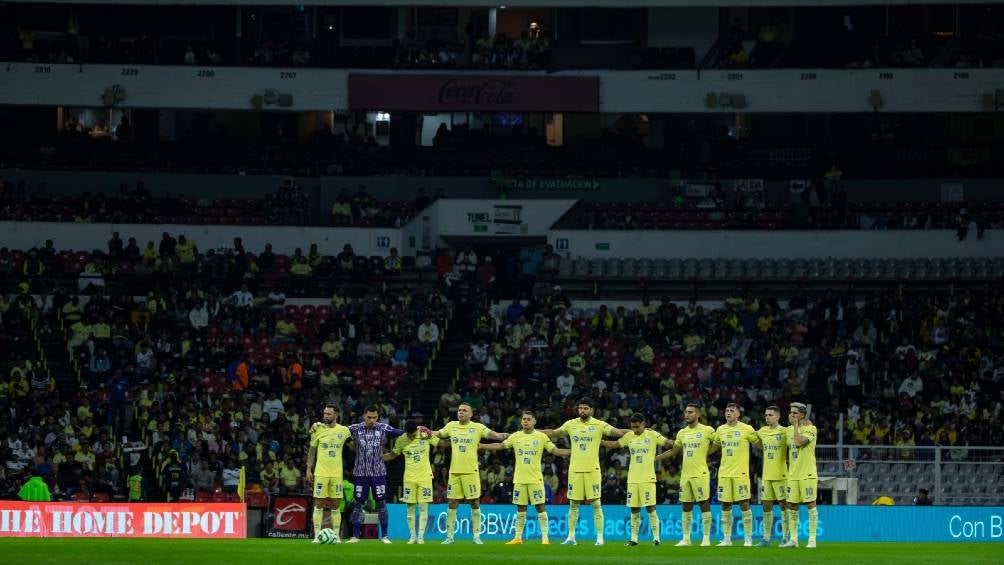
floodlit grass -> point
(64, 551)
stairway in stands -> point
(448, 364)
(52, 345)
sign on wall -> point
(470, 92)
(289, 517)
(836, 523)
(136, 520)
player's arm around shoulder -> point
(611, 443)
(555, 433)
(491, 446)
(714, 442)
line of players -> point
(788, 477)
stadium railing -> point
(968, 475)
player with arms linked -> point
(695, 442)
(324, 468)
(465, 481)
(802, 478)
(584, 479)
(642, 444)
(415, 445)
(529, 446)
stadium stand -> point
(156, 370)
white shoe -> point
(386, 539)
(683, 543)
(789, 543)
(412, 541)
(748, 542)
(811, 544)
(477, 541)
(724, 543)
(706, 542)
(315, 540)
(421, 541)
(353, 539)
(569, 541)
(599, 542)
(448, 541)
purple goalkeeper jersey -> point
(369, 448)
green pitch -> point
(302, 552)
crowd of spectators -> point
(288, 205)
(969, 220)
(201, 375)
(898, 369)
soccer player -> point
(370, 472)
(641, 443)
(465, 481)
(415, 446)
(324, 468)
(802, 478)
(695, 442)
(529, 446)
(734, 438)
(585, 434)
(774, 477)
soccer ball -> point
(327, 536)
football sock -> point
(748, 524)
(357, 521)
(768, 524)
(785, 515)
(476, 522)
(813, 520)
(318, 519)
(336, 521)
(520, 524)
(726, 524)
(573, 517)
(411, 520)
(706, 523)
(687, 522)
(653, 523)
(793, 524)
(382, 513)
(598, 518)
(542, 521)
(423, 519)
(451, 522)
(635, 525)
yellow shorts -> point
(528, 493)
(733, 489)
(415, 492)
(641, 494)
(464, 486)
(584, 486)
(774, 490)
(327, 487)
(800, 492)
(695, 489)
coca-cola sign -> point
(504, 93)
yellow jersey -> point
(417, 467)
(774, 442)
(694, 443)
(735, 441)
(801, 460)
(328, 442)
(464, 440)
(585, 438)
(642, 448)
(528, 448)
